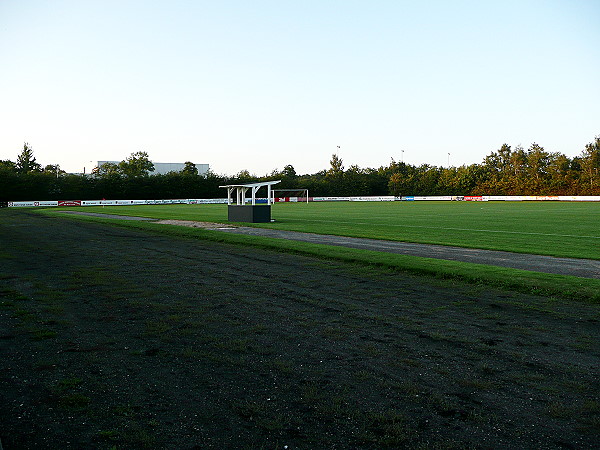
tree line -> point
(507, 171)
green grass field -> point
(545, 228)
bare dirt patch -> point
(196, 224)
(112, 337)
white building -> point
(162, 168)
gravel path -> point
(585, 268)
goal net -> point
(289, 195)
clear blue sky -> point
(260, 84)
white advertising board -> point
(579, 198)
(33, 204)
(387, 198)
(206, 201)
(434, 198)
(331, 199)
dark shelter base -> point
(249, 213)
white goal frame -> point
(274, 193)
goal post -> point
(289, 195)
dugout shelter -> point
(257, 211)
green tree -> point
(448, 181)
(426, 179)
(504, 154)
(590, 165)
(54, 169)
(337, 167)
(107, 169)
(517, 161)
(7, 166)
(189, 169)
(537, 160)
(355, 181)
(243, 176)
(395, 184)
(392, 179)
(26, 161)
(559, 174)
(469, 177)
(136, 165)
(289, 172)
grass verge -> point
(549, 285)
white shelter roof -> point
(241, 189)
(251, 185)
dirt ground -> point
(113, 338)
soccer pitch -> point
(545, 228)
